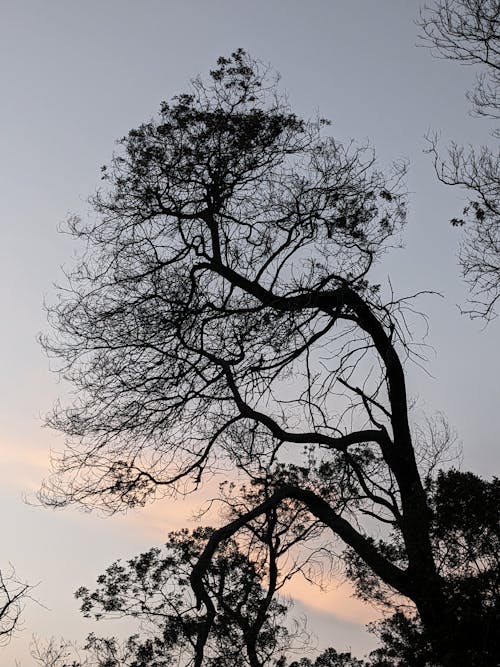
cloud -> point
(338, 600)
(24, 463)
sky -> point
(77, 75)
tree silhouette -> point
(469, 31)
(154, 588)
(465, 531)
(330, 658)
(222, 315)
(13, 595)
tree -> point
(330, 658)
(97, 652)
(466, 542)
(469, 31)
(154, 588)
(222, 314)
(465, 532)
(53, 653)
(13, 595)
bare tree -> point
(97, 652)
(222, 316)
(469, 31)
(53, 653)
(13, 594)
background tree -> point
(53, 653)
(13, 595)
(465, 531)
(154, 588)
(330, 658)
(469, 31)
(97, 652)
(222, 315)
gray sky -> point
(75, 76)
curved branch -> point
(339, 443)
(331, 300)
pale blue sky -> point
(76, 75)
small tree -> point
(469, 31)
(330, 658)
(223, 315)
(53, 653)
(154, 588)
(13, 595)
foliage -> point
(329, 658)
(153, 589)
(465, 533)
